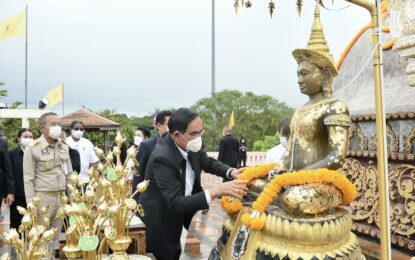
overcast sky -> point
(136, 55)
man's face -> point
(50, 122)
(194, 130)
(310, 79)
(163, 128)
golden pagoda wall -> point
(361, 168)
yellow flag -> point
(13, 27)
(54, 96)
(232, 120)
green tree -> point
(3, 92)
(256, 116)
(266, 144)
(10, 126)
(127, 128)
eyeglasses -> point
(78, 129)
(196, 134)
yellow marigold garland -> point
(257, 222)
(230, 205)
(233, 205)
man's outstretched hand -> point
(236, 172)
(236, 188)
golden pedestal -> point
(72, 252)
(119, 248)
(286, 236)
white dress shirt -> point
(190, 177)
(86, 153)
(275, 154)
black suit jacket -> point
(166, 208)
(6, 174)
(228, 150)
(142, 157)
(75, 160)
(16, 160)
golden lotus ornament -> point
(102, 214)
(34, 237)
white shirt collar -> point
(183, 152)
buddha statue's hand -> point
(276, 172)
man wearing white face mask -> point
(275, 154)
(147, 147)
(84, 147)
(46, 167)
(175, 192)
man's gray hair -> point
(42, 119)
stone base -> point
(286, 236)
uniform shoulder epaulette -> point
(35, 142)
(64, 141)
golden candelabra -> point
(106, 205)
(32, 244)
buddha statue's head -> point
(316, 69)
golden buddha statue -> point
(305, 221)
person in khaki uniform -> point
(46, 167)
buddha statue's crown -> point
(317, 51)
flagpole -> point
(63, 100)
(25, 88)
(213, 50)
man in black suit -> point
(175, 192)
(229, 148)
(147, 147)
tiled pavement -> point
(205, 229)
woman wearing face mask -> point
(140, 135)
(24, 137)
(84, 147)
(275, 154)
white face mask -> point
(138, 140)
(194, 145)
(55, 132)
(25, 141)
(77, 133)
(284, 141)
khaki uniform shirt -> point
(45, 167)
